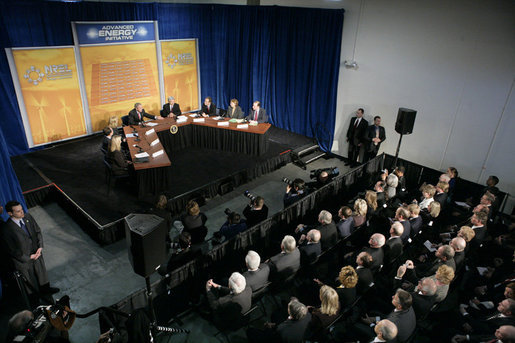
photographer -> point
(295, 191)
(256, 211)
(233, 225)
(322, 177)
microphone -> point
(140, 148)
(133, 129)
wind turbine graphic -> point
(65, 108)
(40, 106)
(189, 82)
(176, 90)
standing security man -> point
(355, 136)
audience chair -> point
(125, 120)
(234, 326)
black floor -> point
(76, 168)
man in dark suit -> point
(287, 262)
(478, 221)
(257, 113)
(441, 193)
(459, 245)
(294, 192)
(23, 242)
(106, 140)
(137, 114)
(355, 136)
(381, 197)
(346, 224)
(228, 303)
(393, 246)
(309, 247)
(424, 298)
(257, 273)
(375, 249)
(505, 315)
(365, 276)
(171, 109)
(374, 136)
(327, 228)
(402, 216)
(208, 108)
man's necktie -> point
(24, 227)
(255, 115)
(356, 123)
(139, 115)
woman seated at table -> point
(119, 165)
(234, 111)
(194, 222)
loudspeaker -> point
(146, 242)
(405, 121)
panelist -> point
(257, 113)
(208, 109)
(171, 109)
(234, 111)
(136, 115)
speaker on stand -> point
(403, 126)
(146, 243)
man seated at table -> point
(257, 113)
(137, 113)
(208, 108)
(171, 109)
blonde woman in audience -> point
(328, 310)
(119, 165)
(428, 191)
(360, 212)
(371, 199)
(443, 278)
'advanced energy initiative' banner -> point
(118, 64)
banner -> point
(180, 69)
(51, 94)
(118, 76)
(114, 32)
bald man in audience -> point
(424, 297)
(309, 247)
(365, 276)
(375, 249)
(393, 246)
(459, 245)
(287, 262)
(385, 331)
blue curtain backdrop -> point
(288, 58)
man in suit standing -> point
(137, 113)
(355, 136)
(257, 113)
(171, 109)
(23, 242)
(374, 136)
(257, 273)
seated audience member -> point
(181, 254)
(423, 297)
(478, 221)
(137, 114)
(444, 255)
(119, 165)
(360, 212)
(371, 199)
(171, 109)
(292, 330)
(234, 111)
(287, 262)
(504, 334)
(402, 216)
(459, 245)
(228, 303)
(484, 325)
(348, 278)
(468, 235)
(233, 226)
(327, 228)
(257, 273)
(294, 192)
(393, 246)
(428, 191)
(346, 224)
(106, 140)
(194, 222)
(256, 211)
(310, 247)
(401, 185)
(415, 220)
(441, 190)
(375, 249)
(257, 113)
(327, 312)
(453, 175)
(208, 108)
(380, 194)
(385, 331)
(392, 181)
(365, 276)
(161, 209)
(430, 216)
(443, 278)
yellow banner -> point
(118, 76)
(180, 69)
(50, 90)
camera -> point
(249, 195)
(287, 181)
(228, 211)
(332, 172)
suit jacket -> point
(235, 113)
(118, 163)
(347, 296)
(392, 249)
(377, 258)
(422, 304)
(309, 252)
(407, 230)
(135, 119)
(459, 258)
(227, 307)
(256, 279)
(292, 331)
(480, 234)
(381, 200)
(416, 224)
(329, 235)
(211, 111)
(441, 198)
(19, 246)
(176, 109)
(345, 227)
(370, 133)
(365, 278)
(405, 321)
(355, 135)
(284, 265)
(262, 116)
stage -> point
(72, 173)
